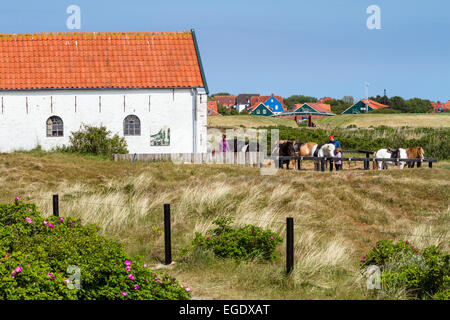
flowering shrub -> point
(35, 254)
(248, 242)
(424, 273)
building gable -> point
(261, 110)
(273, 104)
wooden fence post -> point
(167, 240)
(55, 205)
(289, 245)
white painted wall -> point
(23, 127)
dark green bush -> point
(424, 273)
(95, 140)
(245, 243)
(36, 254)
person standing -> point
(334, 141)
(223, 145)
(338, 163)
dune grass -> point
(248, 122)
(338, 216)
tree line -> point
(396, 104)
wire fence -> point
(323, 227)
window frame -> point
(56, 122)
(127, 129)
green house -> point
(261, 110)
(360, 107)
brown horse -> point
(414, 153)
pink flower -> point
(128, 268)
(136, 287)
(45, 222)
(131, 276)
(82, 223)
(145, 266)
(29, 220)
(207, 239)
(50, 225)
(19, 269)
(124, 293)
(156, 290)
(17, 199)
(407, 242)
(253, 231)
(187, 289)
(363, 258)
(271, 238)
(127, 263)
(13, 274)
(61, 219)
(50, 276)
(66, 280)
(174, 279)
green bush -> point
(245, 243)
(95, 140)
(36, 254)
(424, 273)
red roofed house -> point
(440, 106)
(360, 107)
(147, 87)
(226, 101)
(325, 99)
(212, 108)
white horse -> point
(385, 153)
(326, 150)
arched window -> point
(131, 126)
(55, 127)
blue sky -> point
(317, 48)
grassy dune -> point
(338, 216)
(248, 122)
(390, 120)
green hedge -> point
(425, 273)
(36, 252)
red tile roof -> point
(212, 105)
(375, 105)
(226, 101)
(320, 107)
(262, 99)
(99, 60)
(322, 100)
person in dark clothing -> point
(335, 142)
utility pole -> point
(367, 97)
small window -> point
(55, 127)
(264, 111)
(258, 112)
(131, 126)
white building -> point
(147, 87)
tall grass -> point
(337, 216)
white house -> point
(147, 87)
